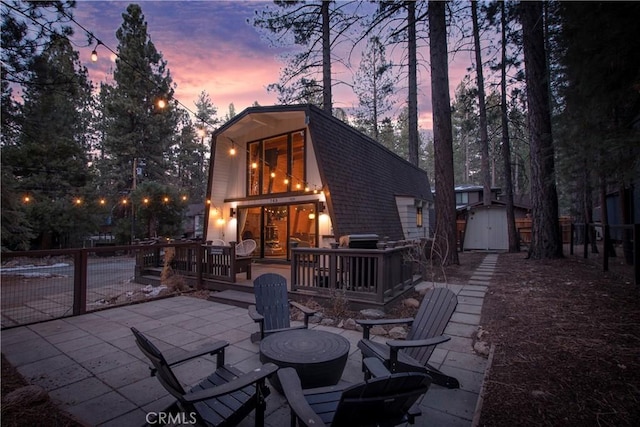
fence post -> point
(607, 242)
(573, 228)
(636, 252)
(586, 240)
(80, 282)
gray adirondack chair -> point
(271, 310)
(387, 400)
(425, 333)
(224, 398)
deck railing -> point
(375, 275)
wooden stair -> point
(150, 276)
(232, 297)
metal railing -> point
(603, 243)
(50, 284)
(375, 275)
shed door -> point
(487, 230)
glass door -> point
(275, 231)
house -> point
(293, 175)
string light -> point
(160, 103)
(94, 53)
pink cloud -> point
(209, 46)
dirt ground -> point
(566, 341)
(567, 345)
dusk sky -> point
(208, 45)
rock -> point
(481, 347)
(25, 396)
(378, 330)
(481, 333)
(327, 322)
(372, 313)
(398, 333)
(316, 318)
(350, 324)
(411, 302)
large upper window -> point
(276, 164)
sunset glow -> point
(210, 46)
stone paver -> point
(91, 367)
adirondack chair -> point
(224, 398)
(387, 400)
(271, 310)
(425, 333)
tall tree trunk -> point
(327, 103)
(412, 102)
(445, 238)
(482, 110)
(545, 233)
(514, 240)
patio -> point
(92, 368)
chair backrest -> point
(434, 313)
(272, 300)
(382, 401)
(246, 247)
(163, 371)
(218, 242)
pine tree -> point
(445, 235)
(374, 84)
(545, 231)
(139, 131)
(49, 159)
(309, 25)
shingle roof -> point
(362, 178)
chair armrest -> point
(399, 344)
(306, 310)
(213, 348)
(253, 313)
(238, 383)
(292, 389)
(367, 324)
(375, 367)
(395, 345)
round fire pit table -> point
(319, 357)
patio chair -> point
(413, 353)
(224, 398)
(387, 400)
(218, 242)
(245, 248)
(271, 310)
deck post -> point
(80, 282)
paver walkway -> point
(92, 368)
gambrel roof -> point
(361, 178)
